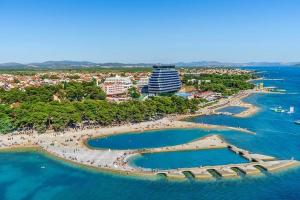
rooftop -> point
(164, 66)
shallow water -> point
(174, 160)
(147, 139)
(33, 176)
(232, 109)
(23, 178)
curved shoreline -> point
(147, 176)
(119, 157)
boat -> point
(292, 110)
(280, 90)
(278, 109)
(297, 122)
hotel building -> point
(164, 79)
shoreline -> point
(148, 176)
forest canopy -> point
(221, 83)
(79, 103)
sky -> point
(165, 31)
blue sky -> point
(149, 30)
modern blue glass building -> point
(164, 79)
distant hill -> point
(270, 63)
(62, 63)
(229, 64)
(86, 64)
(12, 65)
(206, 63)
(68, 64)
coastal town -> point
(38, 78)
(116, 84)
(189, 84)
(149, 100)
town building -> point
(142, 84)
(164, 79)
(208, 95)
(116, 85)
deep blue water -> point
(174, 160)
(232, 109)
(21, 175)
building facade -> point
(116, 85)
(164, 79)
(143, 81)
(142, 84)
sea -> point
(35, 175)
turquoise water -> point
(23, 178)
(148, 139)
(232, 109)
(174, 160)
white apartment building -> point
(143, 81)
(116, 85)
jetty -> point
(258, 163)
(250, 156)
(228, 171)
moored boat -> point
(278, 109)
(292, 110)
(297, 122)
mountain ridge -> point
(77, 64)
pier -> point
(258, 163)
(250, 156)
(228, 171)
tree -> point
(5, 123)
(134, 93)
(80, 102)
(95, 92)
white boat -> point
(278, 109)
(292, 110)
